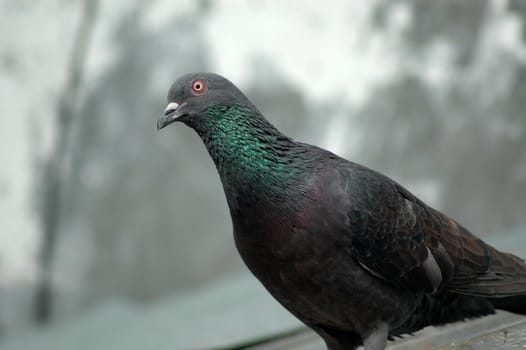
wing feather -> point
(400, 239)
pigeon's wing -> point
(398, 238)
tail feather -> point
(505, 279)
(502, 284)
(515, 304)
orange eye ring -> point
(198, 87)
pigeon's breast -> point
(302, 254)
(288, 230)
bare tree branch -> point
(53, 177)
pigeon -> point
(348, 251)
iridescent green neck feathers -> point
(246, 148)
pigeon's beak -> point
(170, 115)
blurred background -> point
(116, 236)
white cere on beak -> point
(172, 106)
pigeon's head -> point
(192, 94)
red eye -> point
(198, 87)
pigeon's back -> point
(399, 238)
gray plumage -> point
(347, 250)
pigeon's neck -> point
(252, 157)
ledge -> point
(502, 331)
(513, 337)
